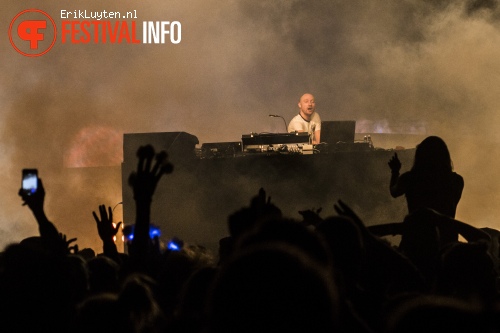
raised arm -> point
(467, 231)
(395, 187)
(53, 240)
(35, 202)
(107, 231)
(143, 183)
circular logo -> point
(30, 33)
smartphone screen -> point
(30, 181)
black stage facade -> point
(193, 202)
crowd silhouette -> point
(271, 274)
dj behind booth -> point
(336, 136)
(213, 180)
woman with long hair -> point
(431, 182)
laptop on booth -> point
(338, 131)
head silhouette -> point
(432, 155)
(272, 287)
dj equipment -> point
(274, 138)
(264, 142)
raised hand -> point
(146, 178)
(259, 202)
(395, 163)
(36, 200)
(311, 216)
(261, 206)
(143, 183)
(64, 243)
(105, 226)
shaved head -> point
(307, 106)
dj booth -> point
(212, 181)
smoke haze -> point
(404, 67)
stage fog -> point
(413, 68)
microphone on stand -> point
(278, 116)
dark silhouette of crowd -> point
(271, 274)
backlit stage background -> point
(411, 68)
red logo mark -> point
(28, 30)
(32, 32)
